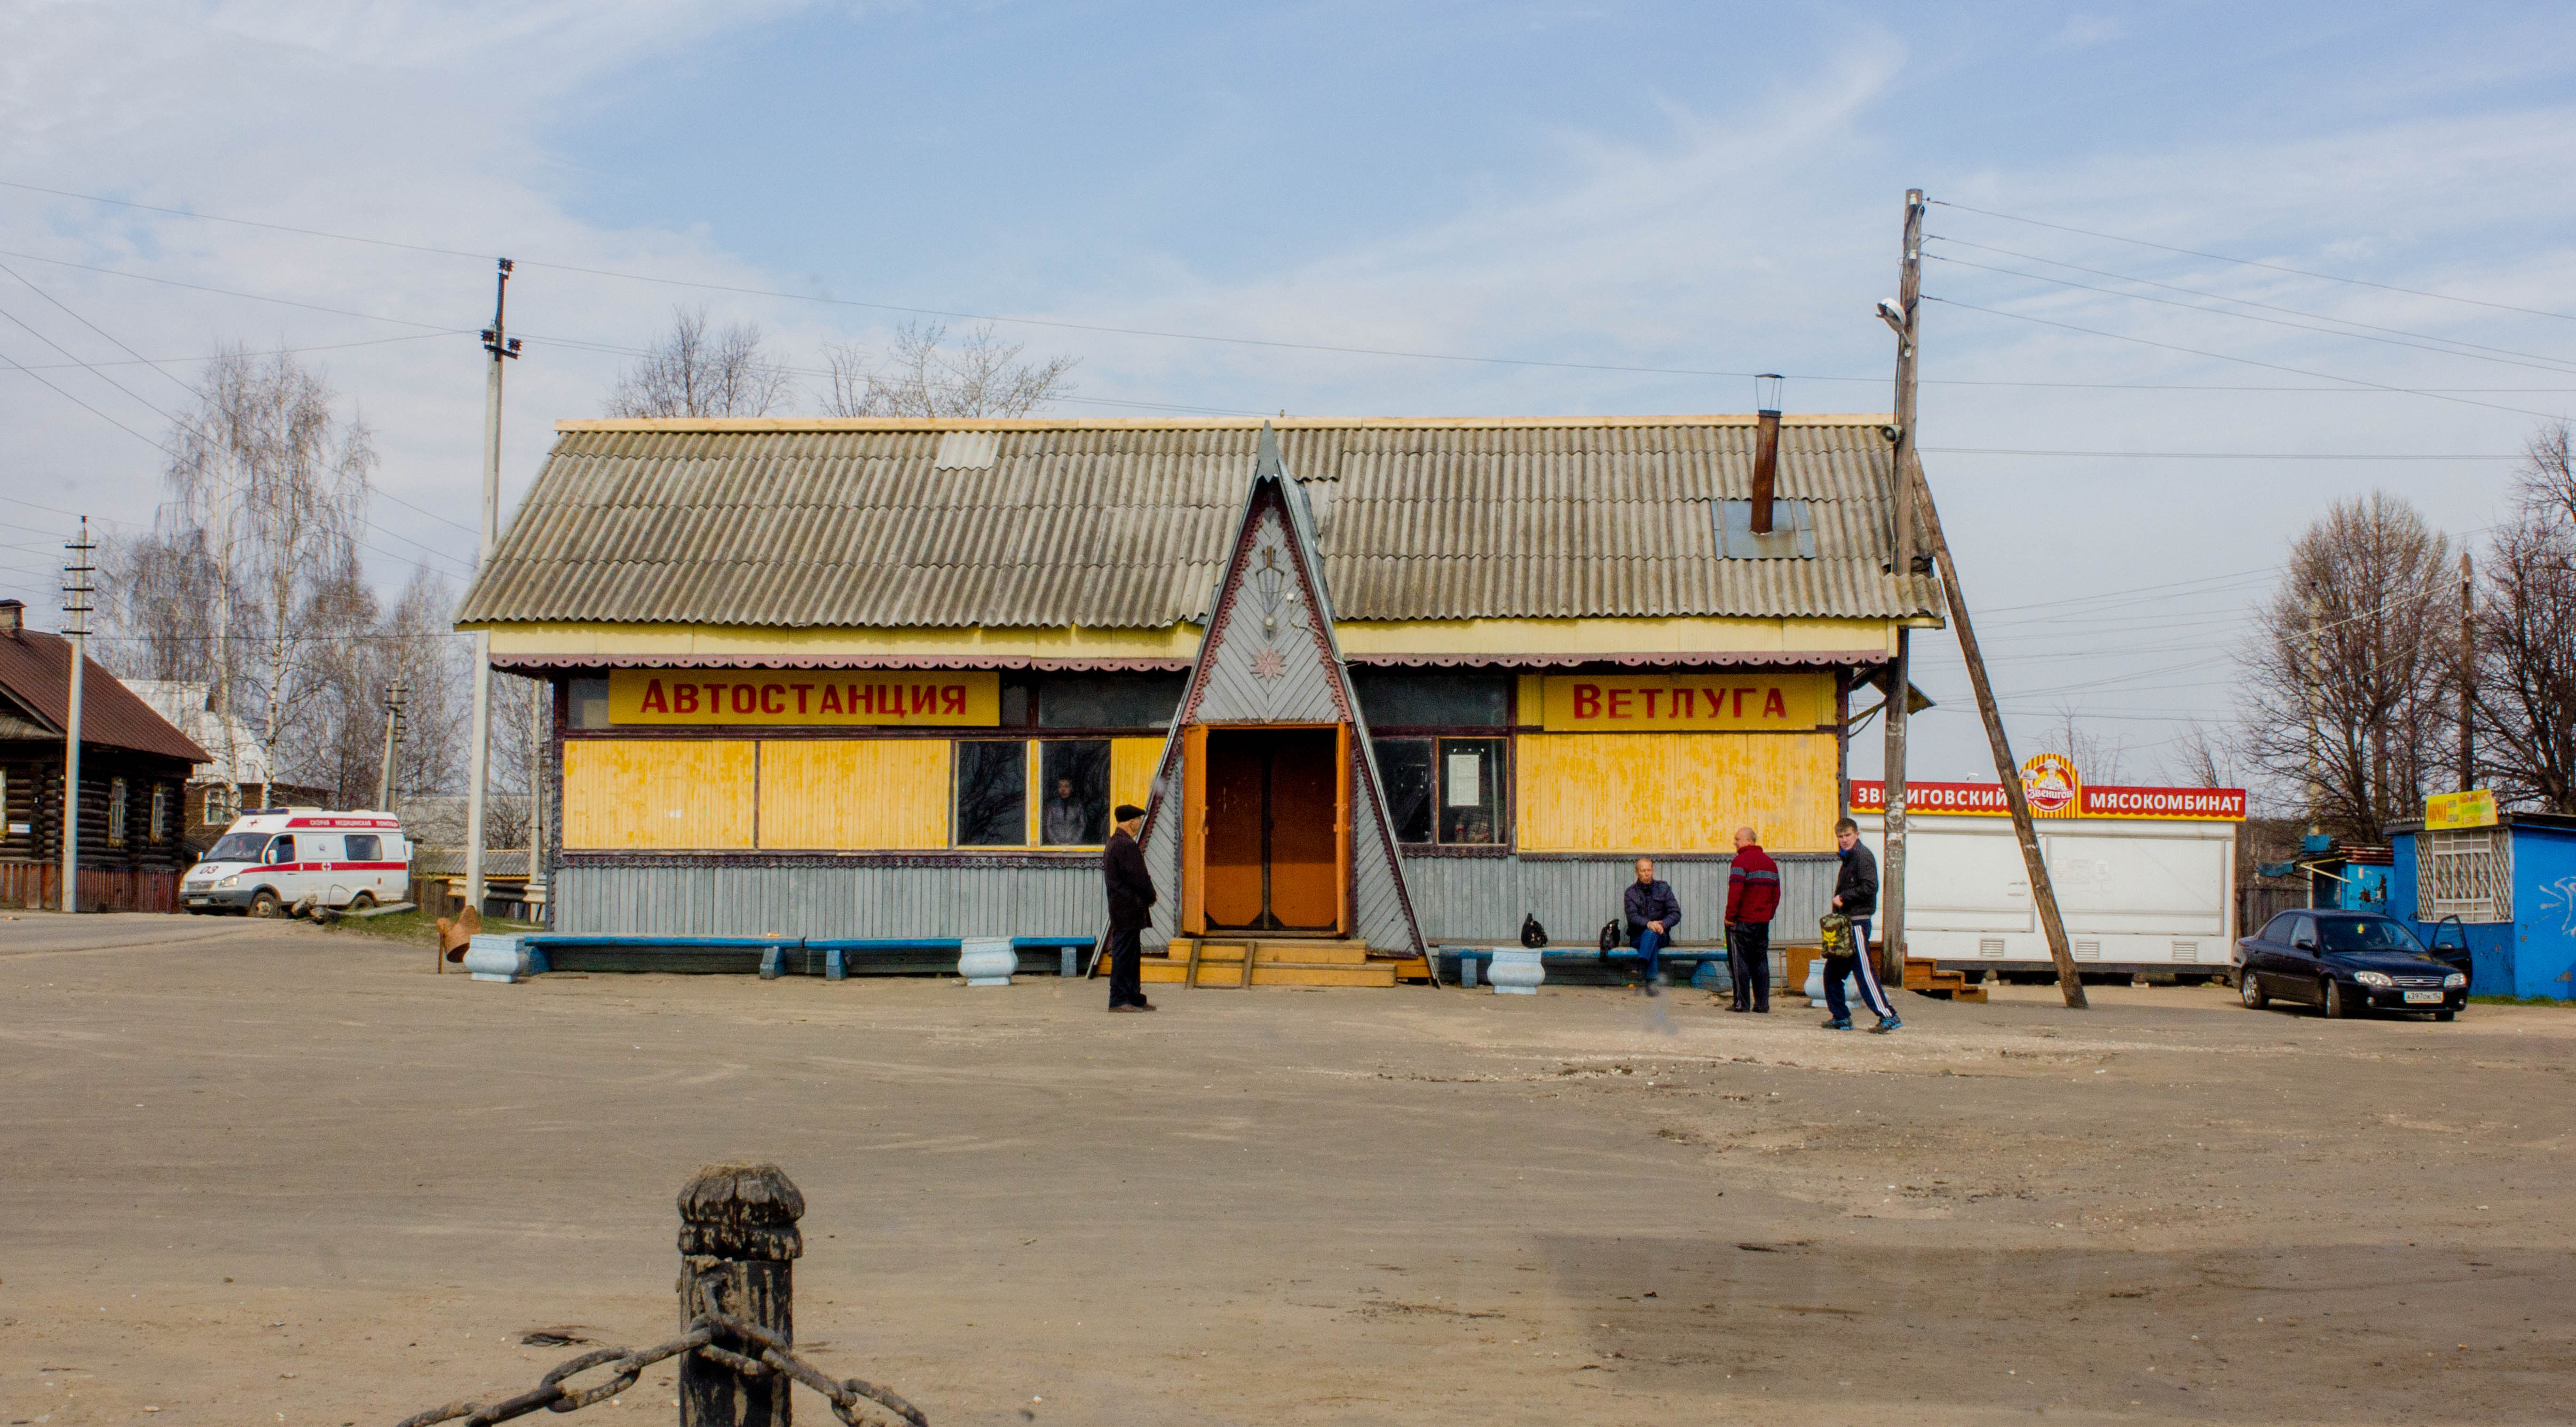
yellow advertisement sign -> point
(1675, 703)
(828, 698)
(2474, 808)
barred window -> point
(116, 811)
(160, 812)
(2468, 875)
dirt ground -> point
(259, 1173)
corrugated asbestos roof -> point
(1122, 524)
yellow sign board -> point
(2474, 808)
(827, 698)
(1676, 703)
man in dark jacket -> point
(1752, 897)
(1653, 912)
(1131, 909)
(1856, 897)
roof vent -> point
(967, 451)
(1766, 449)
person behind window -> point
(1066, 817)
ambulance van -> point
(273, 860)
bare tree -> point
(2526, 634)
(2201, 757)
(2097, 759)
(2349, 676)
(275, 483)
(690, 372)
(156, 605)
(982, 377)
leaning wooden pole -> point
(2006, 771)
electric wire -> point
(2223, 297)
(2546, 364)
(2251, 263)
(2248, 361)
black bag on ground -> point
(1532, 934)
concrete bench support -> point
(987, 960)
(493, 956)
(1517, 971)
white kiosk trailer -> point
(2145, 877)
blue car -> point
(2346, 963)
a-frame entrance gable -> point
(1270, 656)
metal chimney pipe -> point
(1766, 449)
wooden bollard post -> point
(738, 1250)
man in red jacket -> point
(1752, 896)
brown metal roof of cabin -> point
(1120, 524)
(35, 672)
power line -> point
(2251, 263)
(2248, 361)
(2233, 455)
(2546, 364)
(2223, 297)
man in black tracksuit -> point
(1131, 909)
(1856, 897)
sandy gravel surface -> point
(262, 1173)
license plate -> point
(2423, 998)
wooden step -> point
(1298, 950)
(1163, 971)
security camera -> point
(1892, 315)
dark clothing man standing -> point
(1856, 897)
(1131, 910)
(1752, 897)
(1653, 911)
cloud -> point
(2083, 32)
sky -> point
(2197, 270)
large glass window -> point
(1471, 792)
(365, 847)
(1445, 790)
(1073, 792)
(586, 702)
(1404, 768)
(1415, 700)
(1109, 700)
(993, 793)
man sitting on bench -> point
(1653, 912)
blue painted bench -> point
(771, 957)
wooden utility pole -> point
(1907, 322)
(501, 345)
(76, 593)
(2069, 983)
(393, 733)
(2468, 677)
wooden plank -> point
(637, 793)
(886, 794)
(1675, 792)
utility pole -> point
(502, 346)
(2042, 892)
(2309, 690)
(2468, 677)
(1906, 319)
(76, 607)
(540, 744)
(393, 725)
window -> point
(1390, 700)
(236, 847)
(1445, 790)
(116, 811)
(2278, 929)
(1073, 792)
(1110, 700)
(2468, 875)
(160, 812)
(219, 806)
(365, 847)
(992, 793)
(586, 701)
(281, 851)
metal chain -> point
(625, 1365)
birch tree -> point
(689, 371)
(277, 482)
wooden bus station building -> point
(1392, 682)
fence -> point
(38, 886)
(738, 1249)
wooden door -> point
(1307, 830)
(1192, 814)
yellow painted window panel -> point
(657, 793)
(1131, 769)
(855, 794)
(1675, 792)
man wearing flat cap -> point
(1131, 909)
